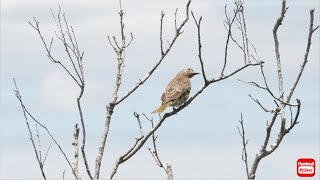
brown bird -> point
(177, 91)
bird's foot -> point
(174, 110)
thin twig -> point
(229, 22)
(244, 145)
(45, 157)
(139, 123)
(311, 31)
(26, 112)
(116, 100)
(137, 146)
(281, 103)
(198, 24)
(161, 29)
(152, 70)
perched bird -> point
(177, 91)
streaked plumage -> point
(177, 91)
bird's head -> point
(188, 72)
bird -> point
(177, 91)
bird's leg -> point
(174, 110)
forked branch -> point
(281, 102)
(115, 100)
(67, 37)
(27, 114)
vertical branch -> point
(115, 100)
(39, 142)
(161, 27)
(68, 39)
(198, 24)
(165, 52)
(244, 145)
(169, 172)
(139, 123)
(277, 52)
(243, 28)
(76, 148)
(83, 130)
(281, 104)
(120, 51)
(276, 43)
(245, 34)
(229, 23)
(311, 31)
(63, 173)
(155, 154)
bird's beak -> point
(192, 74)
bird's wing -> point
(175, 89)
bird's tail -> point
(161, 108)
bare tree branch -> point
(26, 112)
(69, 41)
(151, 71)
(244, 145)
(229, 23)
(137, 146)
(258, 102)
(281, 103)
(198, 24)
(38, 157)
(76, 149)
(39, 142)
(116, 100)
(66, 35)
(120, 51)
(311, 31)
(277, 52)
(139, 122)
(45, 157)
(161, 27)
(155, 154)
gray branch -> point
(26, 113)
(115, 100)
(281, 103)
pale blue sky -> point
(202, 141)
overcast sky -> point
(202, 141)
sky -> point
(200, 142)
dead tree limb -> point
(140, 142)
(281, 102)
(76, 149)
(115, 100)
(27, 114)
(66, 35)
(155, 154)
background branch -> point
(66, 35)
(140, 142)
(281, 102)
(26, 113)
(115, 100)
(244, 145)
